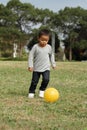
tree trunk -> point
(15, 50)
(70, 54)
(20, 50)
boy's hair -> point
(44, 32)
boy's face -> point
(43, 40)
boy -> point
(40, 57)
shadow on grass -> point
(15, 93)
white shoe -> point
(41, 94)
(31, 95)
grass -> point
(17, 112)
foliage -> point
(18, 20)
(73, 25)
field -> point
(17, 112)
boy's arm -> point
(52, 59)
(30, 59)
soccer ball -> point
(51, 95)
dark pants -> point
(35, 80)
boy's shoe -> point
(31, 95)
(41, 94)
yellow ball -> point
(51, 95)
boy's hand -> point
(54, 68)
(30, 69)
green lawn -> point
(17, 112)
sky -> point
(54, 5)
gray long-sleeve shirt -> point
(41, 57)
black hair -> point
(44, 32)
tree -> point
(6, 22)
(72, 23)
(24, 13)
(16, 19)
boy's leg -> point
(45, 81)
(35, 79)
